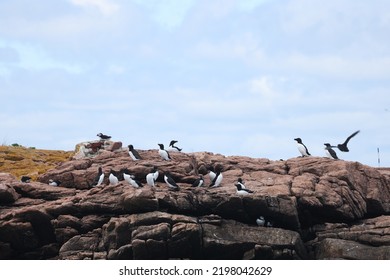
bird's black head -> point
(239, 180)
(130, 147)
(161, 146)
(299, 140)
(327, 144)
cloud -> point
(169, 14)
(105, 7)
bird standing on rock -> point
(133, 153)
(302, 148)
(330, 152)
(113, 178)
(170, 182)
(103, 136)
(163, 153)
(198, 182)
(216, 182)
(151, 177)
(241, 191)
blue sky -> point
(231, 77)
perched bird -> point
(240, 182)
(54, 182)
(131, 179)
(260, 221)
(99, 177)
(218, 177)
(25, 179)
(173, 147)
(241, 191)
(133, 153)
(302, 148)
(113, 178)
(170, 182)
(343, 147)
(163, 153)
(198, 182)
(330, 152)
(103, 137)
(211, 173)
(151, 177)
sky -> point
(235, 77)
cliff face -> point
(319, 209)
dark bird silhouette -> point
(25, 179)
(172, 145)
(330, 152)
(343, 147)
(133, 153)
(103, 136)
(302, 148)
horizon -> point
(233, 77)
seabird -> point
(113, 178)
(240, 182)
(170, 182)
(198, 182)
(163, 153)
(211, 173)
(132, 181)
(343, 147)
(241, 191)
(103, 137)
(133, 153)
(25, 179)
(152, 177)
(54, 182)
(330, 152)
(260, 221)
(302, 148)
(218, 177)
(173, 147)
(99, 177)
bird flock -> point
(214, 173)
(328, 147)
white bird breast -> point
(302, 150)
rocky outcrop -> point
(319, 209)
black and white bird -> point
(170, 182)
(25, 179)
(133, 153)
(173, 147)
(260, 221)
(103, 136)
(241, 191)
(343, 147)
(163, 153)
(198, 182)
(131, 179)
(211, 173)
(99, 177)
(302, 148)
(330, 152)
(54, 183)
(216, 182)
(113, 178)
(151, 177)
(240, 182)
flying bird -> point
(302, 148)
(343, 147)
(173, 147)
(330, 152)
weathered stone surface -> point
(313, 203)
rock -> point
(319, 209)
(7, 194)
